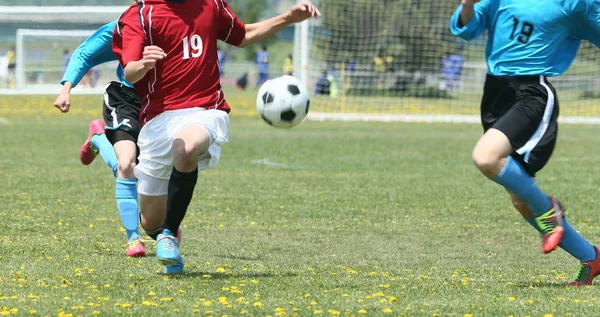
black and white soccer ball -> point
(283, 102)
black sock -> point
(181, 190)
(154, 233)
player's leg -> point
(97, 143)
(572, 242)
(189, 144)
(121, 113)
(153, 172)
(196, 146)
(126, 192)
(502, 154)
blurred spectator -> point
(66, 59)
(92, 76)
(453, 68)
(242, 82)
(323, 85)
(383, 64)
(11, 57)
(262, 59)
(288, 65)
(220, 60)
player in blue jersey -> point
(117, 143)
(519, 107)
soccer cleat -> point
(87, 154)
(167, 249)
(551, 225)
(175, 268)
(135, 248)
(587, 271)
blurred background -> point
(381, 57)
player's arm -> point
(95, 50)
(130, 47)
(470, 20)
(136, 70)
(257, 32)
(589, 29)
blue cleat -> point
(167, 249)
(174, 269)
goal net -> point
(397, 60)
(42, 56)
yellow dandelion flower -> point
(334, 312)
(220, 270)
(512, 298)
(387, 310)
(468, 315)
(317, 312)
(207, 303)
(166, 299)
(548, 315)
(257, 304)
(362, 311)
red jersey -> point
(188, 32)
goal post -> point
(41, 61)
(397, 61)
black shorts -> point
(121, 113)
(525, 109)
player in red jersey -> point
(169, 51)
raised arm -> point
(470, 20)
(588, 27)
(95, 50)
(257, 32)
(234, 32)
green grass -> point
(326, 218)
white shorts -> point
(156, 140)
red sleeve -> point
(231, 29)
(129, 38)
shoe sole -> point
(168, 261)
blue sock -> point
(572, 242)
(576, 245)
(127, 201)
(107, 152)
(514, 177)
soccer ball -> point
(283, 102)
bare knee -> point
(185, 155)
(489, 164)
(125, 168)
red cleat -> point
(587, 272)
(136, 249)
(87, 154)
(551, 225)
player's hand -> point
(303, 11)
(151, 55)
(469, 3)
(63, 101)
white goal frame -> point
(22, 33)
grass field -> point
(324, 219)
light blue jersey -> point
(531, 37)
(95, 50)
